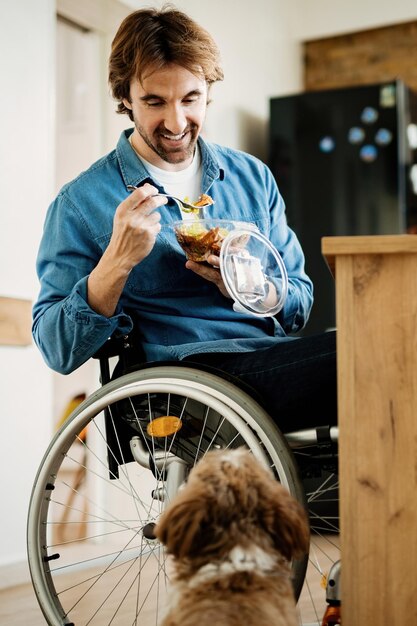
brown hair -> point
(149, 39)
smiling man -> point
(109, 260)
(168, 108)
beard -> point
(176, 154)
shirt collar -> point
(132, 169)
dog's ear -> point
(287, 522)
(181, 526)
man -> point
(109, 259)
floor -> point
(19, 607)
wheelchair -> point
(119, 459)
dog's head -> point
(231, 499)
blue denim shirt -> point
(177, 312)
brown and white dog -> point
(232, 530)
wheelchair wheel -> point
(317, 461)
(92, 555)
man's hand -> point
(135, 228)
(210, 271)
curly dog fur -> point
(231, 531)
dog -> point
(231, 531)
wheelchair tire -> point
(89, 558)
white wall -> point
(260, 46)
(28, 184)
(325, 18)
(26, 173)
(260, 58)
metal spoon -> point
(187, 207)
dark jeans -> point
(294, 380)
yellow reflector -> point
(164, 426)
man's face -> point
(168, 107)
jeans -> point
(294, 380)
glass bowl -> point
(202, 237)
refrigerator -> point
(345, 161)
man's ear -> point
(127, 103)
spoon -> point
(187, 207)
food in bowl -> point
(198, 241)
(201, 238)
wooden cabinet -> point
(376, 317)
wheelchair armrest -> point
(128, 350)
(114, 346)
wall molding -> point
(15, 322)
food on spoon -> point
(204, 200)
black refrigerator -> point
(345, 163)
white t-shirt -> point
(183, 184)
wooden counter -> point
(376, 319)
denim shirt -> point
(176, 312)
